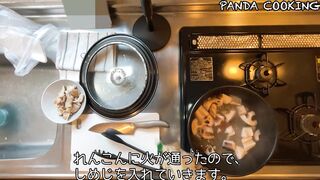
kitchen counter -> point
(55, 164)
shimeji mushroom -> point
(228, 144)
(230, 131)
(240, 152)
(246, 132)
(248, 118)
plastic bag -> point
(25, 43)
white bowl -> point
(51, 93)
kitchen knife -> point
(127, 127)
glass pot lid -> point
(119, 75)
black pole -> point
(153, 29)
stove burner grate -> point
(303, 120)
(305, 123)
(261, 75)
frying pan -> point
(257, 157)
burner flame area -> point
(261, 75)
(231, 70)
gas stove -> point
(280, 63)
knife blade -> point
(127, 127)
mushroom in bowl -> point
(63, 101)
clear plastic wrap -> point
(25, 43)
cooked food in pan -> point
(224, 119)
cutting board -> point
(85, 141)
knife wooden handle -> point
(151, 124)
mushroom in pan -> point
(229, 115)
(210, 149)
(248, 118)
(247, 139)
(248, 145)
(241, 110)
(240, 152)
(256, 135)
(230, 131)
(219, 130)
(226, 99)
(235, 101)
(246, 132)
(228, 144)
(218, 120)
(207, 133)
